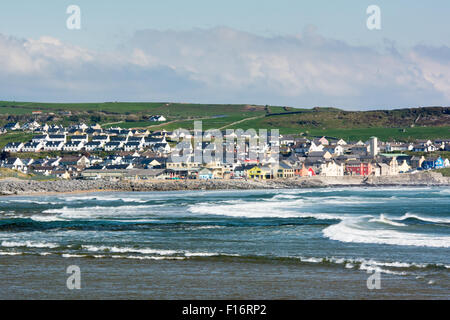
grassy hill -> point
(400, 124)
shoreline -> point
(12, 186)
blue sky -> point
(286, 52)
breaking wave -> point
(353, 230)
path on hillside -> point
(196, 119)
(178, 120)
(240, 121)
(110, 123)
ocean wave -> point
(149, 257)
(350, 230)
(128, 250)
(425, 219)
(284, 196)
(41, 218)
(373, 268)
(259, 210)
(103, 198)
(29, 244)
(9, 253)
(383, 219)
(204, 227)
(373, 265)
(101, 211)
(70, 255)
(242, 209)
(146, 251)
(30, 201)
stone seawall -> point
(22, 187)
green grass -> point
(131, 124)
(13, 110)
(14, 137)
(174, 110)
(445, 172)
(10, 173)
(385, 134)
(401, 124)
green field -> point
(14, 137)
(400, 124)
(171, 110)
(445, 172)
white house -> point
(314, 147)
(73, 146)
(395, 146)
(113, 145)
(131, 146)
(32, 147)
(34, 125)
(12, 126)
(15, 164)
(13, 147)
(331, 169)
(57, 137)
(157, 118)
(334, 149)
(93, 146)
(102, 138)
(53, 146)
(44, 127)
(161, 147)
(79, 138)
(40, 138)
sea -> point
(325, 243)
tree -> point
(4, 155)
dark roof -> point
(316, 154)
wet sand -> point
(37, 277)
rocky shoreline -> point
(25, 187)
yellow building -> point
(261, 173)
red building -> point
(358, 168)
(304, 172)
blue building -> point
(433, 163)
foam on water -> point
(100, 211)
(146, 251)
(7, 253)
(239, 208)
(129, 250)
(363, 229)
(352, 230)
(28, 201)
(383, 219)
(49, 218)
(103, 198)
(67, 255)
(29, 244)
(426, 219)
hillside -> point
(401, 124)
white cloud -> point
(223, 65)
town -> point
(84, 151)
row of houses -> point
(62, 142)
(36, 126)
(317, 163)
(280, 157)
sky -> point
(286, 52)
